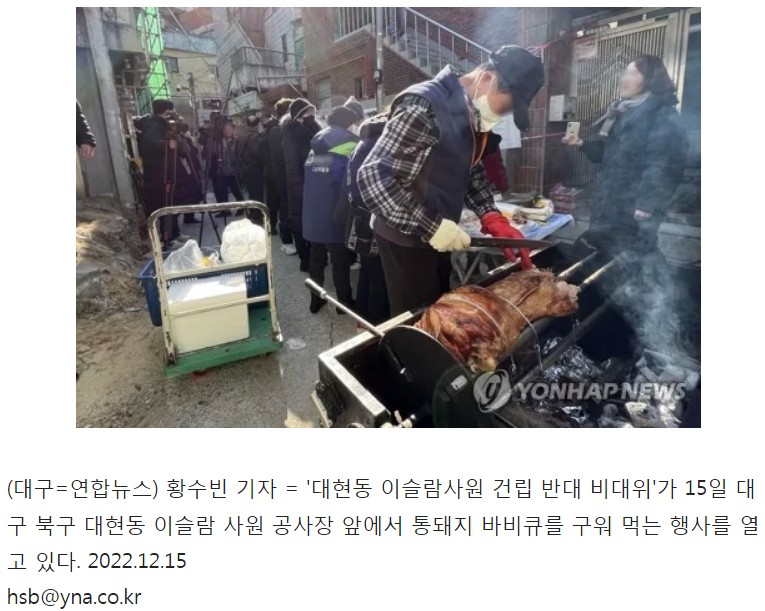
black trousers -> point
(341, 259)
(415, 276)
(254, 186)
(225, 184)
(276, 210)
(302, 246)
(372, 292)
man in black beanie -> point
(299, 126)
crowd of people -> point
(386, 192)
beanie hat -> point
(342, 116)
(299, 107)
(353, 104)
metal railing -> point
(428, 42)
(352, 19)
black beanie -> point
(298, 108)
(342, 116)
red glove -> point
(498, 226)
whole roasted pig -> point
(478, 325)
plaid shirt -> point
(410, 134)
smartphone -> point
(572, 130)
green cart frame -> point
(265, 333)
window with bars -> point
(351, 19)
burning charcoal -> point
(676, 407)
(576, 414)
(649, 375)
(610, 411)
(672, 374)
(643, 415)
(611, 423)
(614, 370)
(667, 417)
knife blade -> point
(489, 242)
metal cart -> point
(265, 333)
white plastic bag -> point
(187, 257)
(243, 241)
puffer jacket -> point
(325, 171)
(152, 147)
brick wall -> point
(348, 59)
(398, 73)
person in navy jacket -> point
(325, 171)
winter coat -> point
(641, 164)
(351, 210)
(296, 143)
(249, 153)
(265, 147)
(84, 135)
(276, 151)
(152, 147)
(152, 139)
(229, 165)
(325, 171)
(188, 182)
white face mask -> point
(489, 119)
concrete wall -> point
(98, 172)
(205, 83)
(278, 22)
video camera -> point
(172, 123)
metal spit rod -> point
(322, 293)
(567, 342)
(540, 326)
(567, 273)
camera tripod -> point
(170, 180)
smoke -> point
(659, 306)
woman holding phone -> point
(640, 147)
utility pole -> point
(378, 74)
(108, 93)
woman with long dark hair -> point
(641, 148)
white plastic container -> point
(210, 328)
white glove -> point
(449, 237)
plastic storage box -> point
(197, 330)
